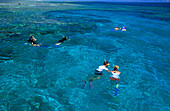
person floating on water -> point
(62, 40)
(32, 41)
(116, 29)
(98, 73)
(123, 29)
(114, 78)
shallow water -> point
(50, 78)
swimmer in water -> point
(114, 78)
(123, 29)
(98, 73)
(32, 41)
(62, 40)
(116, 29)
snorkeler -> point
(115, 76)
(62, 40)
(123, 29)
(98, 73)
(116, 29)
(32, 41)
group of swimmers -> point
(123, 29)
(32, 40)
(114, 77)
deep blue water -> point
(51, 79)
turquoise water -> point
(51, 79)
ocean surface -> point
(51, 78)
